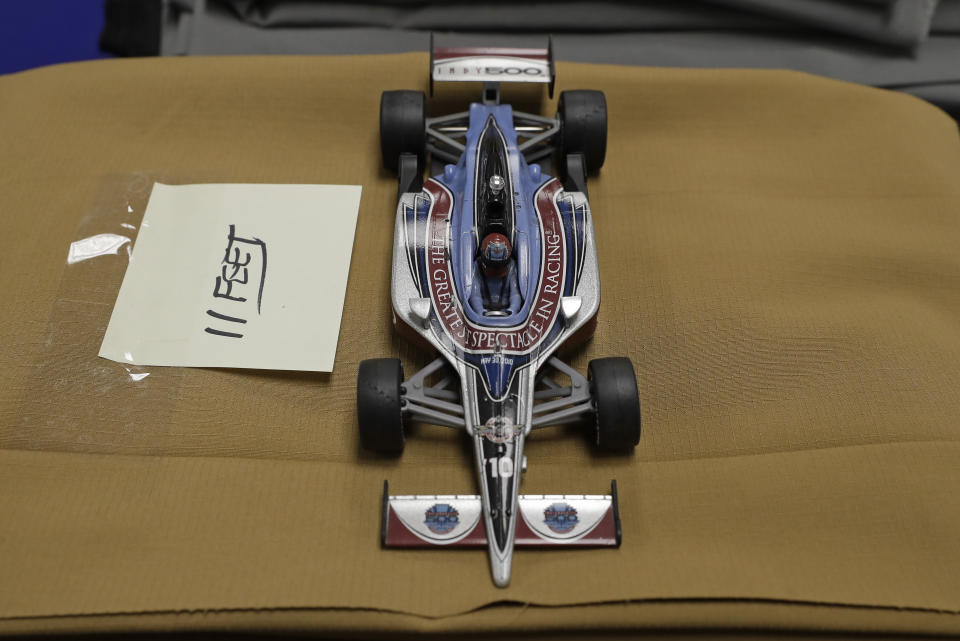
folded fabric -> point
(493, 16)
(903, 23)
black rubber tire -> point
(379, 410)
(403, 127)
(583, 125)
(613, 386)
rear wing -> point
(492, 64)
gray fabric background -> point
(907, 45)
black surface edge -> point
(431, 64)
(553, 69)
(616, 511)
(131, 28)
(384, 514)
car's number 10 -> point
(501, 466)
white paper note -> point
(237, 275)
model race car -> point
(494, 268)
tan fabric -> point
(779, 257)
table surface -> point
(778, 254)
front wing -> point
(546, 520)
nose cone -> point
(500, 492)
(501, 529)
(500, 569)
(499, 477)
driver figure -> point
(499, 291)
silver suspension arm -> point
(439, 404)
(436, 404)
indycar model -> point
(494, 268)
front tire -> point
(379, 405)
(403, 128)
(583, 126)
(613, 386)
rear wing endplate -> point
(492, 64)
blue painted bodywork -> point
(523, 182)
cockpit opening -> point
(499, 290)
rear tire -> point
(583, 126)
(403, 128)
(613, 386)
(379, 405)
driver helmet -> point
(495, 250)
